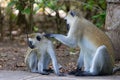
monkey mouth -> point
(67, 26)
(30, 45)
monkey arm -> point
(69, 41)
(40, 65)
(80, 61)
(51, 52)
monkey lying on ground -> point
(96, 50)
(40, 53)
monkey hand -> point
(49, 35)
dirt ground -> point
(12, 57)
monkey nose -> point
(32, 47)
(30, 44)
(67, 26)
(66, 20)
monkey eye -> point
(38, 38)
(72, 13)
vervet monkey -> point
(96, 51)
(39, 56)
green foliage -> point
(89, 5)
(11, 3)
(101, 17)
(25, 8)
(12, 16)
(47, 3)
(96, 7)
(40, 4)
(26, 11)
(15, 4)
(99, 8)
(35, 28)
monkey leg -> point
(79, 64)
(32, 62)
(101, 64)
(51, 52)
(80, 60)
(46, 61)
(41, 66)
(46, 64)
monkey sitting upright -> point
(96, 50)
(40, 53)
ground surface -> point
(12, 58)
(23, 75)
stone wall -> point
(112, 25)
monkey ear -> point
(43, 33)
(72, 13)
(38, 38)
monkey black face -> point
(38, 38)
(70, 18)
(30, 44)
(67, 26)
(72, 13)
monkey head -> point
(69, 19)
(34, 39)
(72, 17)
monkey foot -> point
(84, 73)
(48, 35)
(80, 73)
(49, 70)
(74, 71)
(44, 73)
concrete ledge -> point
(24, 75)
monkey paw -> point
(48, 35)
(49, 70)
(80, 73)
(84, 73)
(74, 71)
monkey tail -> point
(29, 50)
